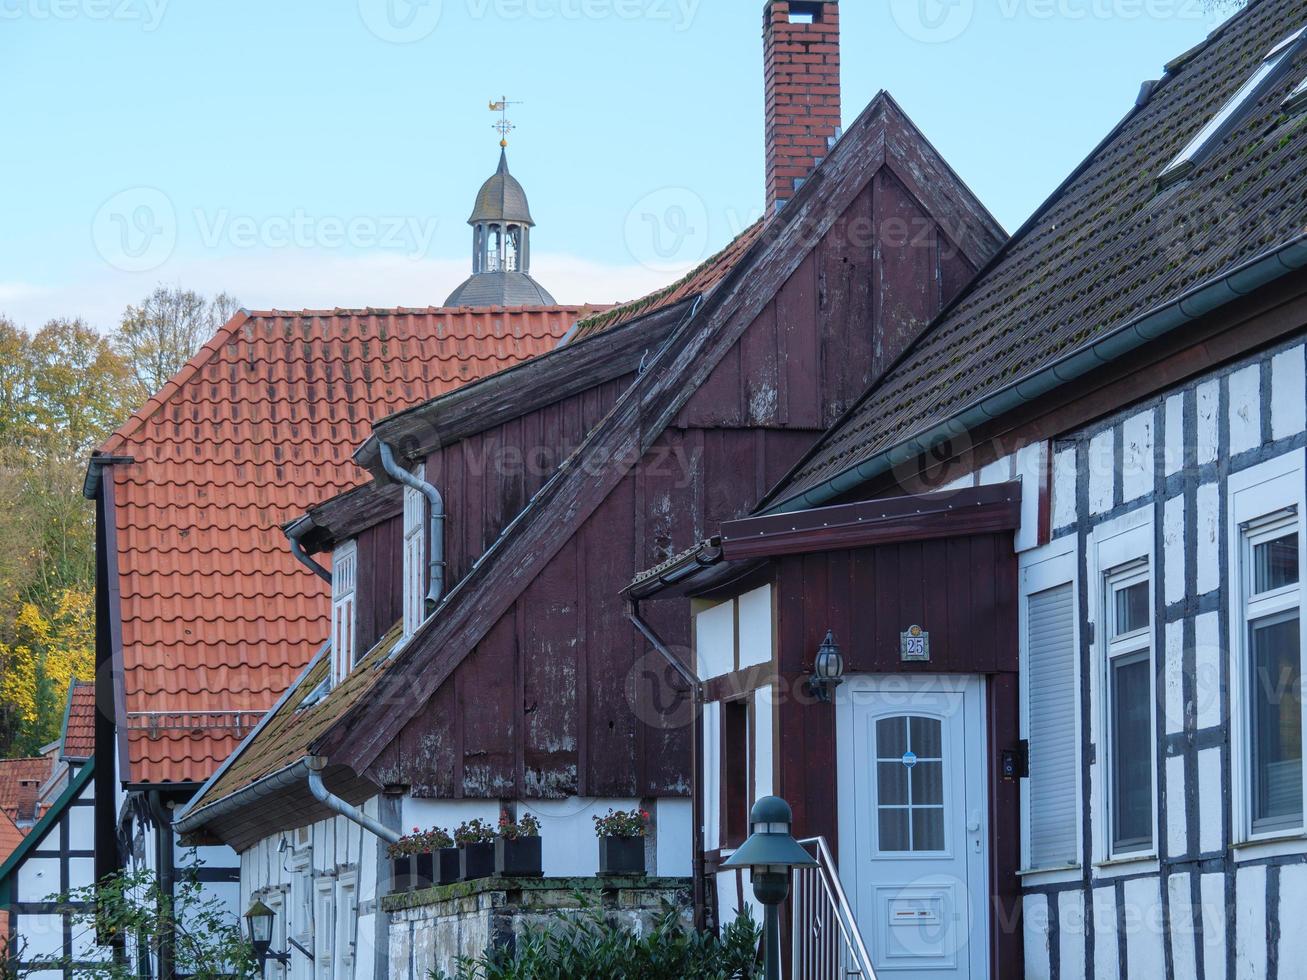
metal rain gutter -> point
(436, 559)
(293, 535)
(1164, 320)
(337, 805)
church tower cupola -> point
(501, 240)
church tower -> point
(501, 247)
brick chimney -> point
(801, 41)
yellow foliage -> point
(51, 647)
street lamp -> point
(769, 853)
(259, 922)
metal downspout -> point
(436, 589)
(163, 856)
(696, 763)
(293, 535)
(337, 805)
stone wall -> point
(433, 928)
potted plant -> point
(621, 841)
(517, 848)
(476, 850)
(403, 862)
(437, 858)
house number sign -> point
(914, 645)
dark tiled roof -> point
(697, 282)
(217, 616)
(1108, 247)
(500, 289)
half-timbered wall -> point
(562, 698)
(1174, 471)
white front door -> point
(914, 823)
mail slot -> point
(916, 912)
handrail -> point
(836, 901)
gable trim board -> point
(37, 834)
(536, 535)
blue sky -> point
(326, 152)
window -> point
(1273, 673)
(415, 558)
(909, 784)
(1052, 790)
(346, 920)
(274, 901)
(737, 770)
(344, 576)
(1278, 58)
(1129, 688)
(1297, 98)
(324, 931)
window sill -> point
(1293, 842)
(1060, 874)
(1126, 864)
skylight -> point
(1219, 125)
(1297, 98)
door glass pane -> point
(928, 829)
(1275, 564)
(910, 783)
(1276, 701)
(1132, 763)
(1131, 609)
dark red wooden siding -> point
(380, 602)
(560, 696)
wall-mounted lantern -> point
(769, 853)
(827, 670)
(258, 920)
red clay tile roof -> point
(217, 616)
(79, 729)
(699, 281)
(20, 785)
(10, 838)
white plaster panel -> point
(1064, 488)
(999, 471)
(1288, 399)
(1174, 675)
(444, 813)
(1034, 909)
(1245, 409)
(1071, 934)
(1173, 549)
(675, 837)
(764, 724)
(1106, 966)
(1031, 467)
(365, 948)
(44, 935)
(1293, 900)
(1183, 921)
(38, 879)
(1250, 923)
(1208, 656)
(714, 640)
(1143, 920)
(1174, 461)
(1177, 839)
(1208, 553)
(1210, 796)
(86, 949)
(712, 736)
(1102, 471)
(81, 872)
(1137, 456)
(756, 627)
(1207, 437)
(81, 827)
(1215, 926)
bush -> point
(592, 947)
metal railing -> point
(826, 942)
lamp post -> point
(769, 853)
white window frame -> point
(346, 920)
(1266, 501)
(1121, 550)
(415, 560)
(324, 928)
(1043, 569)
(300, 904)
(344, 610)
(1278, 58)
(276, 900)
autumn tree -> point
(160, 335)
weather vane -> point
(503, 127)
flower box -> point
(447, 866)
(424, 871)
(518, 858)
(402, 874)
(476, 861)
(621, 855)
